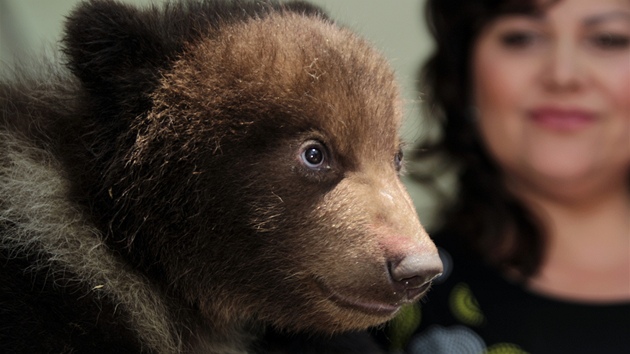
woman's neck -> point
(587, 252)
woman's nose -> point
(563, 67)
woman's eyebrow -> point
(607, 16)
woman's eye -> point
(610, 41)
(519, 39)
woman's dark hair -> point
(489, 218)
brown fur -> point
(179, 152)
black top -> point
(473, 309)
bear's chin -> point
(329, 311)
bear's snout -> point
(412, 274)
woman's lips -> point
(562, 120)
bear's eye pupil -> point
(313, 156)
(398, 160)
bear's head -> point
(250, 162)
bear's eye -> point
(398, 160)
(313, 155)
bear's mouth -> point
(374, 308)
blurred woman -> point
(532, 99)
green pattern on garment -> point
(505, 348)
(402, 327)
(464, 306)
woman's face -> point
(553, 94)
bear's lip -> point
(374, 308)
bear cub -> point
(196, 172)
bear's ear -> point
(108, 43)
(115, 50)
(118, 51)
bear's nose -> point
(414, 273)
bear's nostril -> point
(415, 270)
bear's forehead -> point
(300, 71)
